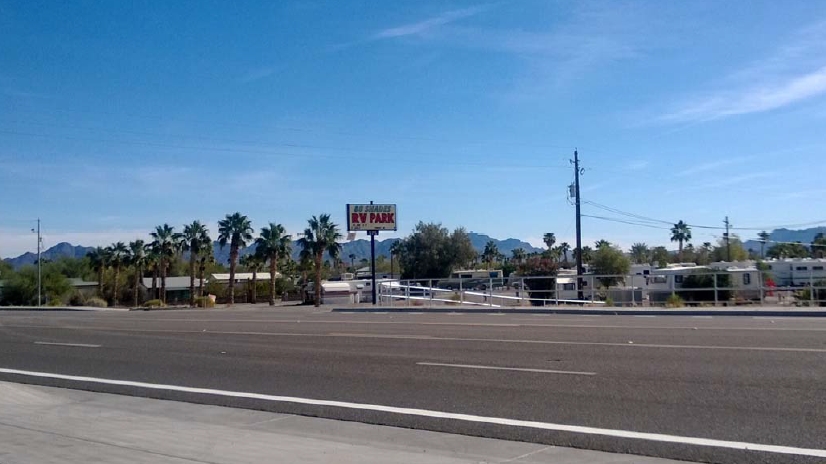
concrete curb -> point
(60, 308)
(599, 312)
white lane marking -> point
(382, 313)
(658, 437)
(496, 368)
(457, 339)
(644, 316)
(79, 345)
(495, 314)
(553, 342)
(526, 323)
(702, 317)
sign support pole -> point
(373, 234)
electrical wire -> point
(267, 152)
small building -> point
(241, 277)
(337, 292)
(86, 288)
(797, 272)
(177, 289)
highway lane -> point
(739, 379)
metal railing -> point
(720, 288)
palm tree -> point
(253, 263)
(818, 246)
(321, 236)
(236, 230)
(193, 240)
(165, 245)
(587, 254)
(764, 237)
(599, 244)
(272, 244)
(564, 247)
(153, 262)
(352, 257)
(206, 255)
(491, 253)
(549, 238)
(518, 254)
(681, 233)
(98, 261)
(640, 253)
(118, 256)
(138, 259)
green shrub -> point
(204, 302)
(154, 304)
(674, 301)
(77, 299)
(55, 302)
(96, 302)
(609, 301)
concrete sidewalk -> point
(54, 425)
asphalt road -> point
(751, 381)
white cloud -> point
(423, 27)
(257, 74)
(793, 73)
(754, 99)
(710, 166)
(638, 165)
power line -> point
(697, 226)
(249, 142)
(109, 115)
(271, 153)
(622, 221)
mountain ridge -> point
(360, 248)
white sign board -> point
(371, 217)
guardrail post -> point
(715, 289)
(812, 286)
(522, 291)
(490, 290)
(461, 292)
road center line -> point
(496, 368)
(657, 437)
(435, 338)
(78, 345)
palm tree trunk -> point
(680, 254)
(163, 280)
(273, 267)
(201, 270)
(254, 287)
(233, 260)
(155, 282)
(100, 282)
(136, 284)
(115, 295)
(191, 278)
(318, 280)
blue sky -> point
(118, 116)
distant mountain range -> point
(360, 248)
(60, 250)
(805, 236)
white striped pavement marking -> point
(497, 368)
(79, 345)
